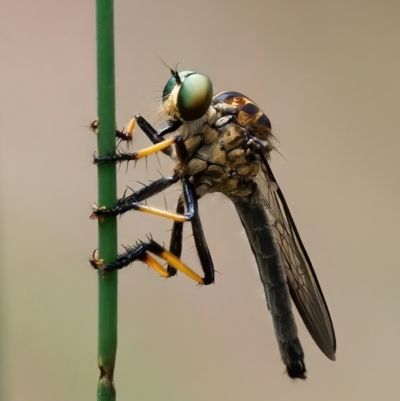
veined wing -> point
(302, 280)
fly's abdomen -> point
(256, 222)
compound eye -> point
(168, 88)
(194, 97)
(172, 82)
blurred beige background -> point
(327, 75)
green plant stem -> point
(108, 291)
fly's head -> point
(187, 96)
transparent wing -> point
(302, 280)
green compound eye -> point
(194, 96)
(168, 88)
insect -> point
(222, 143)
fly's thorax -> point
(248, 114)
(223, 160)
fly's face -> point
(187, 96)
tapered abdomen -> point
(257, 224)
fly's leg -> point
(175, 245)
(182, 152)
(132, 202)
(159, 144)
(125, 135)
(155, 136)
(128, 135)
(192, 215)
(199, 239)
(143, 252)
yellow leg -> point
(142, 253)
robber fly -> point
(222, 143)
